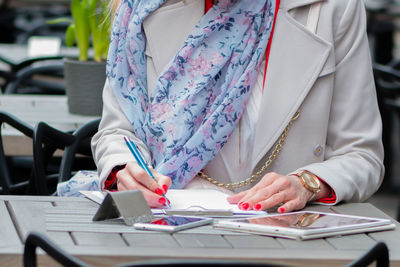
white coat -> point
(327, 75)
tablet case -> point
(130, 205)
(293, 232)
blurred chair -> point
(17, 172)
(35, 240)
(42, 74)
(9, 182)
(387, 81)
(38, 79)
(387, 78)
(5, 78)
(380, 28)
(39, 174)
(7, 26)
(394, 106)
(73, 144)
(378, 253)
(15, 67)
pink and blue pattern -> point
(200, 96)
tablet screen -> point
(308, 220)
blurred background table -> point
(32, 109)
(16, 54)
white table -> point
(68, 222)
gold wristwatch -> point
(311, 182)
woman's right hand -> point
(134, 177)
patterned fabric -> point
(201, 94)
(81, 181)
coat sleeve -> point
(353, 164)
(108, 146)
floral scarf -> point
(200, 96)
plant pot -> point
(84, 82)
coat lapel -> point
(297, 58)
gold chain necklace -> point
(254, 177)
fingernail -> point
(281, 210)
(165, 187)
(257, 206)
(158, 191)
(245, 206)
(161, 200)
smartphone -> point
(173, 223)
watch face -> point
(310, 181)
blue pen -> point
(135, 152)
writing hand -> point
(132, 177)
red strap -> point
(208, 5)
(278, 2)
(331, 198)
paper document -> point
(202, 200)
(96, 196)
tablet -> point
(305, 225)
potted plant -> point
(85, 76)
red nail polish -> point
(257, 206)
(161, 200)
(245, 206)
(158, 191)
(165, 187)
(281, 210)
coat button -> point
(318, 150)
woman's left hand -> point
(273, 190)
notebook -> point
(304, 225)
(201, 202)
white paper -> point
(188, 199)
(96, 196)
(199, 199)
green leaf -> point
(59, 20)
(100, 28)
(90, 22)
(82, 32)
(70, 36)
